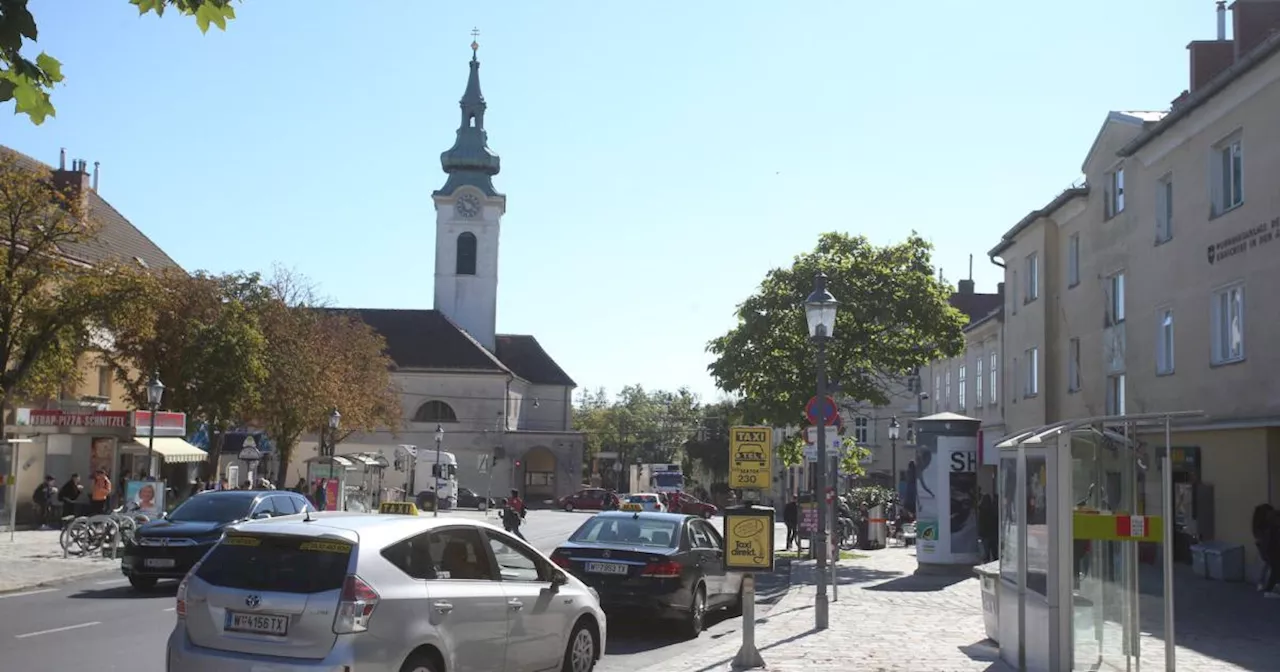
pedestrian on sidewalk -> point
(1271, 546)
(70, 494)
(1261, 516)
(790, 516)
(100, 493)
(513, 514)
(46, 499)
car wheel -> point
(568, 506)
(419, 661)
(580, 654)
(142, 582)
(697, 613)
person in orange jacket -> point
(100, 494)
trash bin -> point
(879, 530)
(989, 577)
(1218, 561)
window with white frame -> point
(1115, 299)
(978, 381)
(1164, 341)
(991, 373)
(1073, 365)
(1115, 192)
(1115, 394)
(1164, 209)
(960, 387)
(861, 426)
(1033, 277)
(1227, 173)
(946, 387)
(1031, 386)
(1073, 260)
(1227, 323)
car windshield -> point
(668, 479)
(212, 509)
(628, 531)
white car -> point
(643, 501)
(381, 592)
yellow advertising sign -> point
(750, 458)
(325, 546)
(748, 539)
(399, 508)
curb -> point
(114, 567)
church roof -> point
(117, 239)
(428, 339)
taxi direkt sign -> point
(748, 539)
(750, 458)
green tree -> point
(53, 308)
(205, 342)
(894, 317)
(29, 82)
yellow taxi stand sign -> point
(748, 539)
(750, 457)
(398, 508)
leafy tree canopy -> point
(29, 82)
(53, 308)
(893, 317)
(641, 425)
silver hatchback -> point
(347, 592)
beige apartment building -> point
(1152, 288)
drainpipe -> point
(1003, 322)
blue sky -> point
(658, 157)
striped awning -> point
(173, 449)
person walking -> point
(100, 493)
(1271, 551)
(790, 517)
(1261, 519)
(988, 527)
(514, 513)
(46, 500)
(70, 493)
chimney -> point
(1222, 20)
(965, 287)
(96, 164)
(62, 159)
(1253, 21)
(1000, 289)
(75, 183)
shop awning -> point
(174, 450)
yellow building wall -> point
(1235, 463)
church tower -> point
(468, 217)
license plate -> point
(632, 507)
(158, 563)
(262, 624)
(607, 568)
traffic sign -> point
(825, 412)
(750, 457)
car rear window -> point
(273, 563)
(629, 531)
(640, 499)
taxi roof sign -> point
(398, 508)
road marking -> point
(110, 582)
(171, 609)
(28, 592)
(63, 629)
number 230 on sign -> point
(750, 457)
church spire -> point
(470, 161)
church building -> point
(504, 404)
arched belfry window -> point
(435, 411)
(466, 254)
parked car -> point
(169, 547)
(656, 564)
(643, 501)
(337, 591)
(681, 502)
(590, 498)
(468, 499)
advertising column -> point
(946, 489)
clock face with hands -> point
(467, 206)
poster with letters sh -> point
(960, 454)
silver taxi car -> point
(341, 591)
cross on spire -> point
(475, 44)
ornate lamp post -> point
(894, 428)
(438, 469)
(820, 312)
(328, 446)
(155, 394)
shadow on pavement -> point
(985, 651)
(919, 583)
(162, 589)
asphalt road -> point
(102, 624)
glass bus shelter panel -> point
(1117, 583)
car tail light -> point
(181, 607)
(561, 559)
(662, 569)
(355, 606)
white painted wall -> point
(469, 300)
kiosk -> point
(1086, 563)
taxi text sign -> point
(750, 458)
(748, 539)
(398, 508)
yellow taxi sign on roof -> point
(398, 508)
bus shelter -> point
(1086, 562)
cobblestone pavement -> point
(889, 620)
(34, 558)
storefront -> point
(66, 442)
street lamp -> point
(438, 468)
(820, 312)
(155, 394)
(894, 428)
(328, 446)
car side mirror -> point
(559, 578)
(260, 515)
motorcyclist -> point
(513, 514)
